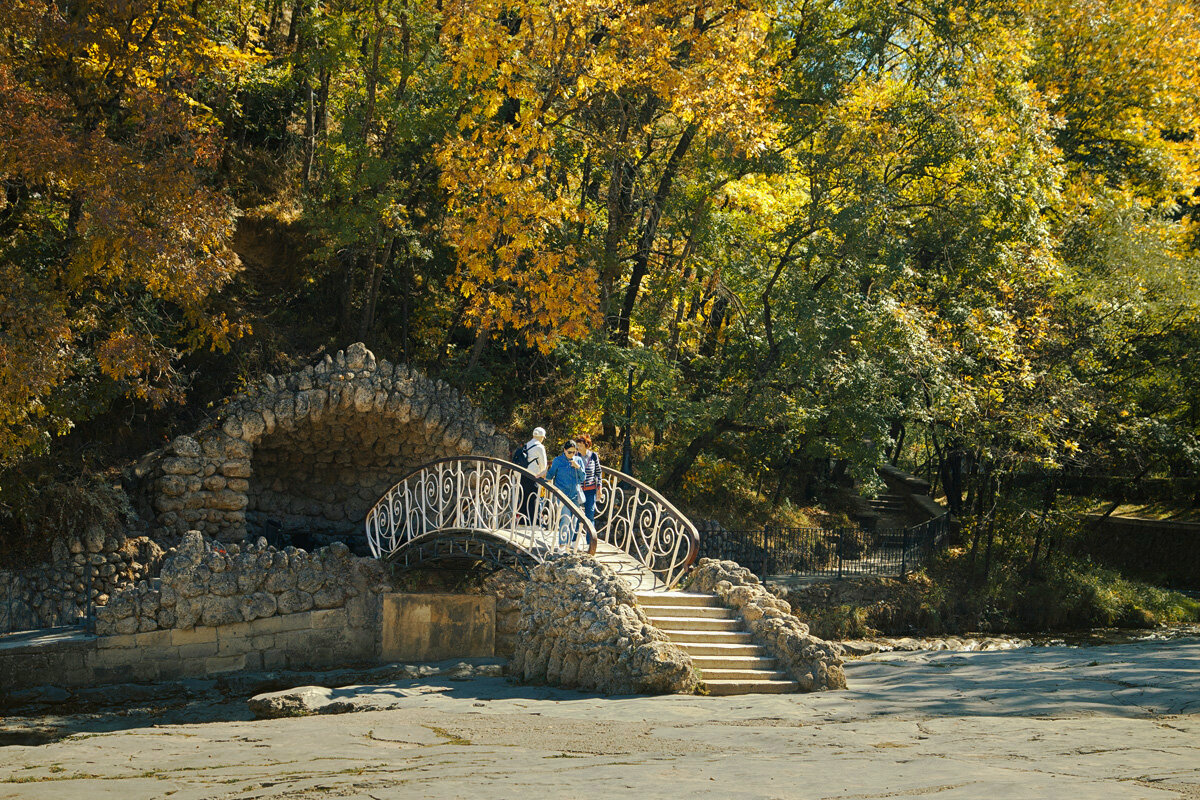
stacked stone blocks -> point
(322, 638)
(84, 568)
(204, 583)
(313, 449)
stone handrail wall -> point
(312, 450)
(203, 583)
(813, 663)
(581, 627)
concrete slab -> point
(1103, 722)
(431, 627)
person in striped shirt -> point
(591, 475)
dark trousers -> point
(589, 506)
(527, 510)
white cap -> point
(539, 431)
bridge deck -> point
(634, 572)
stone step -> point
(708, 637)
(724, 650)
(696, 624)
(726, 688)
(718, 662)
(678, 599)
(743, 675)
(707, 612)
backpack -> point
(520, 456)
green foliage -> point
(839, 622)
(820, 235)
(719, 490)
(946, 599)
(1063, 594)
(35, 515)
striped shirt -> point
(591, 471)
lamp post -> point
(627, 447)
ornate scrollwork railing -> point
(633, 517)
(482, 495)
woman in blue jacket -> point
(566, 473)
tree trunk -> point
(675, 479)
(310, 135)
(481, 340)
(1043, 525)
(641, 258)
(294, 22)
(374, 279)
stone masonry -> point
(83, 569)
(203, 583)
(312, 450)
(814, 663)
(581, 628)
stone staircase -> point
(889, 504)
(713, 635)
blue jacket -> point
(566, 475)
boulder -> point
(217, 610)
(301, 701)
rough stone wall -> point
(203, 583)
(92, 566)
(508, 588)
(312, 450)
(814, 663)
(580, 627)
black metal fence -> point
(828, 552)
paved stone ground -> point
(1099, 722)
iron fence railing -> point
(827, 552)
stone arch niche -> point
(310, 452)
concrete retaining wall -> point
(415, 627)
(432, 627)
(1160, 551)
(311, 639)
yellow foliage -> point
(543, 79)
(99, 131)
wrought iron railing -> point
(828, 552)
(638, 520)
(494, 497)
(477, 494)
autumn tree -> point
(112, 241)
(582, 122)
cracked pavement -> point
(1118, 721)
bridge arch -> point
(312, 450)
(481, 509)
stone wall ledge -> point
(306, 640)
(33, 642)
